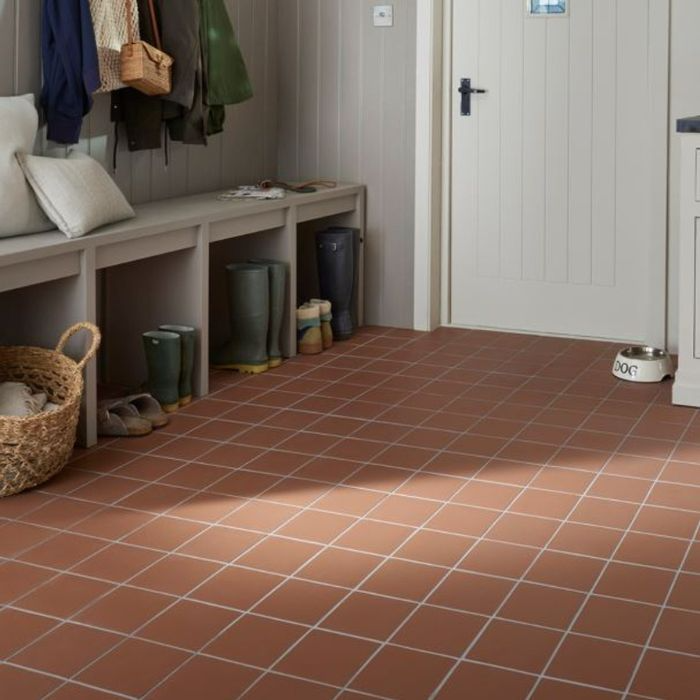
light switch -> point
(383, 15)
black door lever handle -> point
(466, 90)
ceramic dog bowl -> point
(643, 364)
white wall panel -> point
(347, 112)
(246, 152)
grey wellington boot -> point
(356, 252)
(164, 360)
(249, 312)
(335, 252)
(188, 337)
(278, 297)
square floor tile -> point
(440, 631)
(516, 646)
(19, 683)
(565, 570)
(278, 555)
(548, 689)
(402, 673)
(257, 515)
(63, 596)
(596, 662)
(317, 526)
(175, 574)
(124, 609)
(17, 578)
(479, 682)
(340, 567)
(301, 601)
(406, 580)
(685, 593)
(206, 678)
(223, 544)
(16, 537)
(375, 537)
(542, 605)
(255, 640)
(547, 504)
(188, 624)
(678, 631)
(638, 583)
(590, 540)
(272, 686)
(326, 657)
(133, 668)
(620, 620)
(651, 550)
(62, 550)
(66, 650)
(665, 675)
(663, 521)
(471, 592)
(523, 529)
(404, 510)
(235, 587)
(117, 562)
(439, 548)
(367, 615)
(499, 559)
(463, 520)
(25, 627)
(605, 513)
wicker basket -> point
(35, 448)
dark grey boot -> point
(188, 337)
(337, 270)
(164, 359)
(278, 297)
(249, 311)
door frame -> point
(433, 167)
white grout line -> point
(664, 606)
(589, 594)
(455, 568)
(314, 456)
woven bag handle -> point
(94, 345)
(154, 22)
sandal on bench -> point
(148, 408)
(115, 419)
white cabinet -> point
(686, 390)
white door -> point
(558, 207)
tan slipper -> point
(114, 419)
(148, 408)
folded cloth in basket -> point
(17, 399)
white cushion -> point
(19, 211)
(76, 192)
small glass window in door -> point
(547, 7)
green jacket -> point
(215, 75)
(227, 76)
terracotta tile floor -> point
(460, 515)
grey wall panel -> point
(347, 103)
(246, 152)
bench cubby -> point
(164, 266)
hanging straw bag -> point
(146, 68)
(114, 22)
(35, 448)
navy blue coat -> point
(71, 69)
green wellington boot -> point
(164, 360)
(188, 337)
(309, 338)
(326, 311)
(249, 311)
(278, 297)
